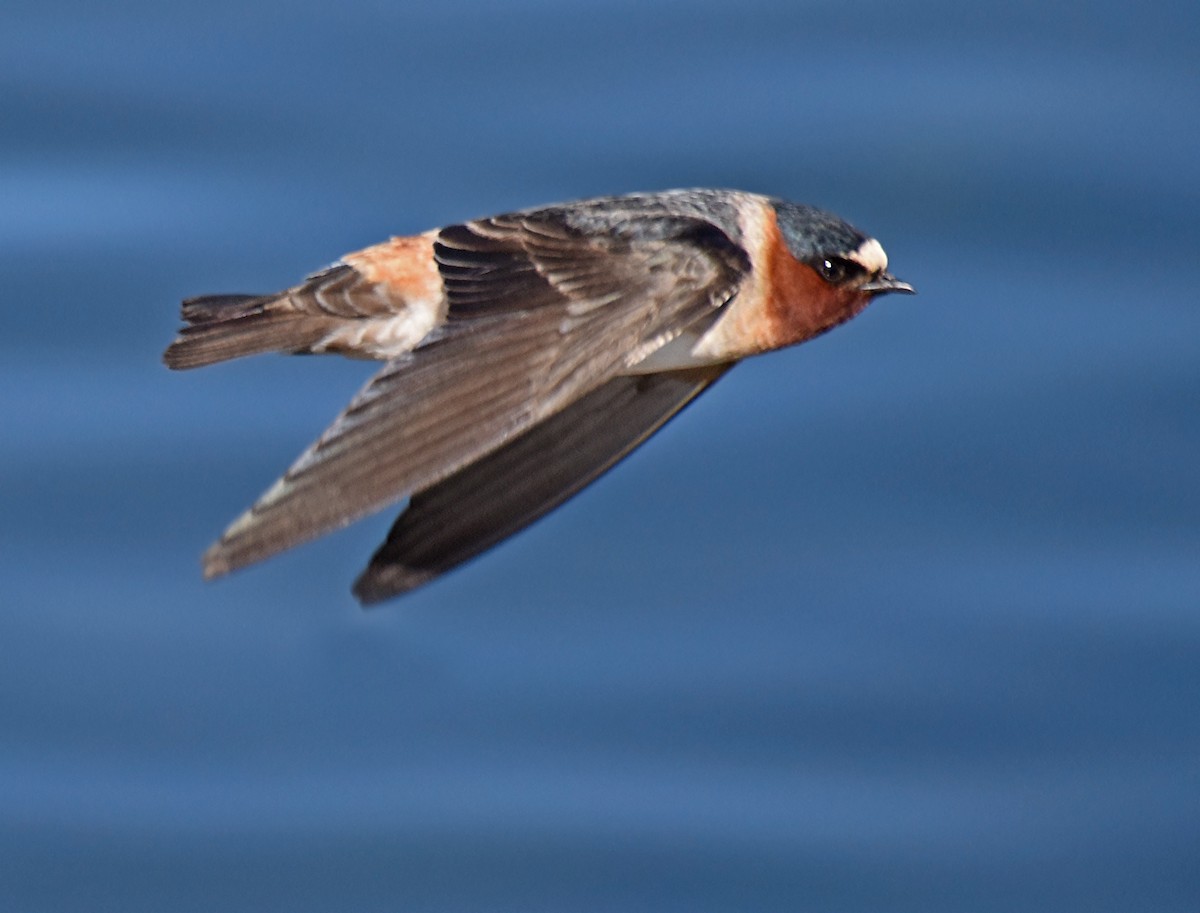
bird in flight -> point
(524, 354)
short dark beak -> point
(886, 282)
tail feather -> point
(221, 327)
(207, 308)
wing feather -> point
(539, 314)
(491, 499)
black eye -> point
(837, 270)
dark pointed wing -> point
(540, 313)
(499, 495)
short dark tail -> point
(221, 327)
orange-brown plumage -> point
(800, 304)
(782, 302)
(404, 265)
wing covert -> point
(539, 313)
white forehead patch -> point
(870, 256)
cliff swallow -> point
(524, 355)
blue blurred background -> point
(907, 618)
